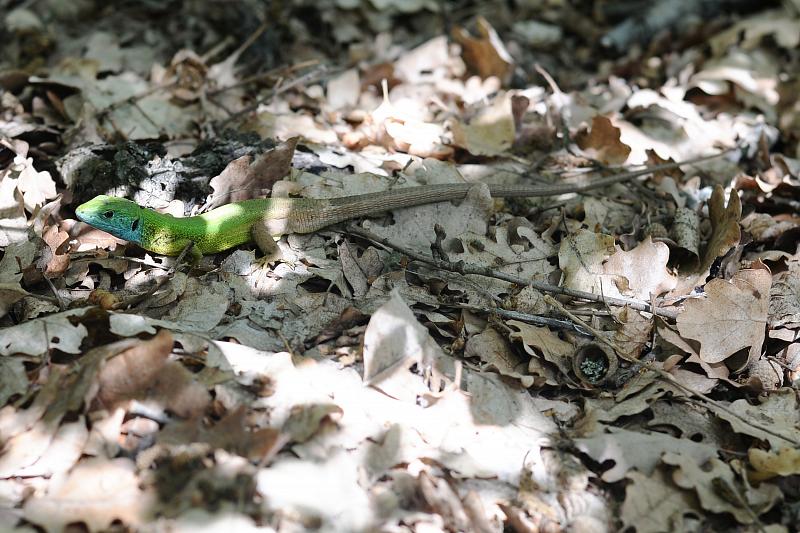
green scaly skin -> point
(263, 219)
(215, 231)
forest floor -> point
(622, 359)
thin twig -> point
(314, 75)
(463, 268)
(666, 376)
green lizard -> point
(262, 220)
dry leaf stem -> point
(463, 268)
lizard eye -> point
(135, 225)
(109, 214)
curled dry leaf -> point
(603, 142)
(485, 55)
(726, 232)
(540, 340)
(12, 212)
(634, 333)
(394, 341)
(493, 349)
(244, 178)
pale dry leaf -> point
(307, 420)
(37, 337)
(731, 317)
(96, 492)
(133, 371)
(638, 397)
(25, 449)
(675, 341)
(465, 432)
(36, 187)
(642, 451)
(12, 212)
(753, 75)
(719, 489)
(654, 504)
(581, 257)
(498, 252)
(779, 412)
(13, 379)
(327, 491)
(490, 427)
(288, 125)
(57, 261)
(645, 268)
(606, 214)
(421, 139)
(153, 115)
(784, 302)
(538, 34)
(490, 132)
(440, 497)
(427, 62)
(556, 485)
(763, 227)
(14, 421)
(63, 451)
(783, 462)
(344, 89)
(197, 520)
(106, 434)
(202, 305)
(696, 382)
(750, 31)
(603, 142)
(104, 48)
(394, 341)
(352, 271)
(690, 422)
(19, 254)
(528, 300)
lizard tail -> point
(332, 211)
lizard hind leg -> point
(265, 242)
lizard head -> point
(120, 217)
